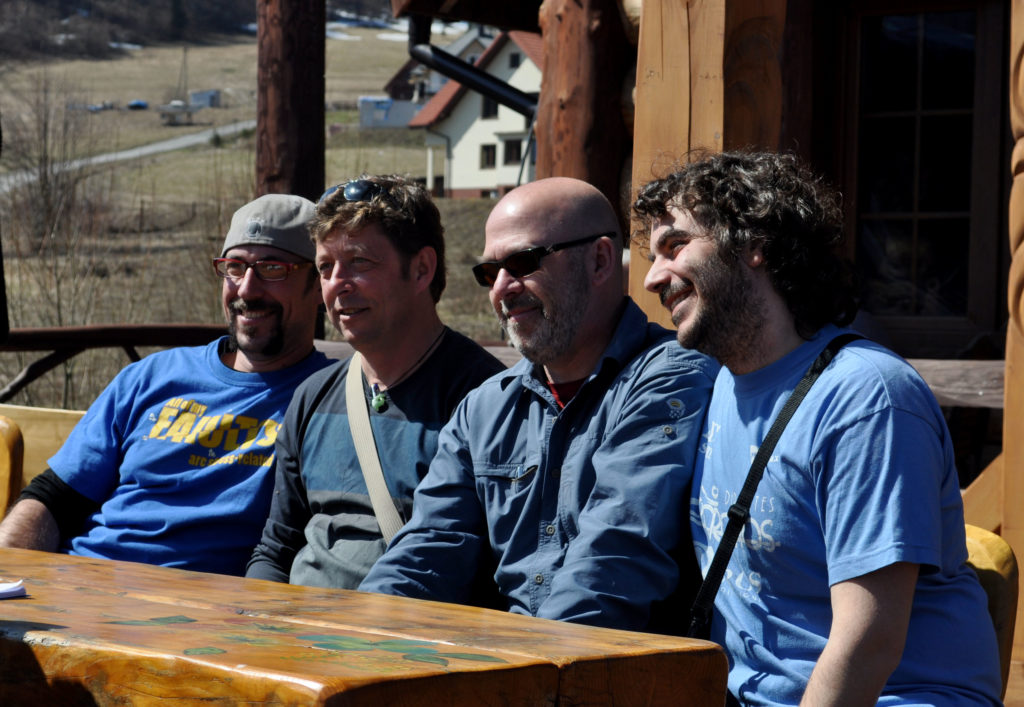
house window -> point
(512, 151)
(514, 60)
(488, 156)
(926, 188)
(489, 109)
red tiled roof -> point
(441, 103)
(532, 44)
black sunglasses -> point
(524, 262)
(356, 190)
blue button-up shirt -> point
(579, 509)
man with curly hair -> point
(380, 255)
(849, 584)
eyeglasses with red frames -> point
(266, 270)
(524, 262)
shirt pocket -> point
(504, 487)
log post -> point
(290, 97)
(708, 78)
(580, 127)
(1013, 412)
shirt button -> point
(668, 430)
(539, 579)
(550, 530)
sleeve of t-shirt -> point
(879, 496)
(89, 460)
(284, 533)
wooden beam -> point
(983, 498)
(580, 128)
(1013, 440)
(679, 102)
(290, 97)
(708, 78)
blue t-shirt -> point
(178, 451)
(863, 477)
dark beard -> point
(727, 326)
(273, 345)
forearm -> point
(847, 677)
(30, 525)
(871, 615)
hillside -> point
(37, 29)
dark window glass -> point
(945, 163)
(886, 164)
(488, 156)
(942, 256)
(914, 158)
(513, 151)
(947, 61)
(885, 260)
(489, 109)
(889, 62)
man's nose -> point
(657, 277)
(505, 282)
(248, 283)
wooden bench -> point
(29, 437)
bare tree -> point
(52, 214)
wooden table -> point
(104, 632)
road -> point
(176, 143)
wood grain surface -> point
(104, 632)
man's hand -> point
(30, 525)
(870, 616)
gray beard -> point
(554, 336)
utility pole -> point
(290, 97)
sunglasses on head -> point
(356, 190)
(524, 262)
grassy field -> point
(132, 241)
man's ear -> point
(423, 266)
(753, 256)
(605, 259)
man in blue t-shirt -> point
(848, 585)
(171, 464)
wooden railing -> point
(65, 343)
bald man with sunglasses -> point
(171, 465)
(566, 476)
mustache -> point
(241, 306)
(523, 300)
(670, 291)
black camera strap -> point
(700, 613)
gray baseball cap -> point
(276, 220)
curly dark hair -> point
(771, 201)
(403, 209)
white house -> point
(414, 84)
(485, 145)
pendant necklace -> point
(379, 401)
